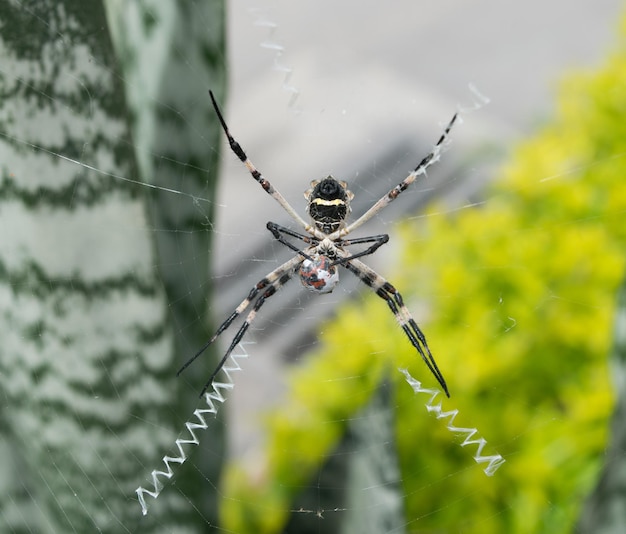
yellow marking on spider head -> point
(334, 202)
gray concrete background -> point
(376, 82)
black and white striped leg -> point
(244, 327)
(394, 300)
(265, 184)
(273, 281)
(393, 193)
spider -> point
(325, 250)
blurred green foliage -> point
(516, 297)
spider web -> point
(364, 102)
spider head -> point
(328, 203)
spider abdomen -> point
(319, 275)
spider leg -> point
(277, 230)
(394, 300)
(426, 162)
(271, 290)
(265, 184)
(277, 278)
(378, 240)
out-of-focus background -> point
(129, 231)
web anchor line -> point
(495, 460)
(213, 399)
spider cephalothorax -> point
(325, 249)
(328, 203)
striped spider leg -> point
(268, 286)
(394, 300)
(265, 184)
(393, 193)
(328, 205)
